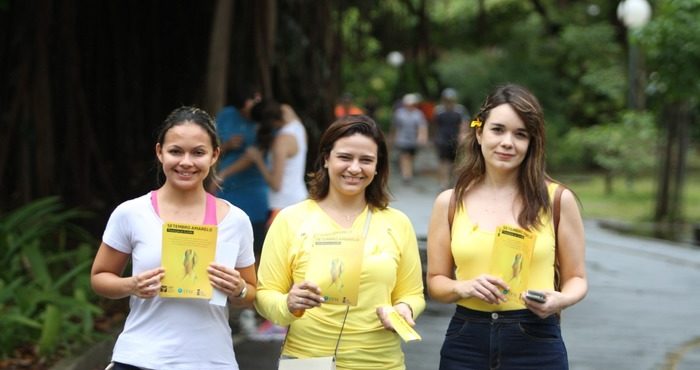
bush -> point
(45, 289)
(627, 148)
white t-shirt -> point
(293, 188)
(170, 333)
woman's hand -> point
(485, 287)
(403, 309)
(303, 296)
(147, 284)
(254, 155)
(551, 305)
(226, 279)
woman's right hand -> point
(147, 284)
(488, 288)
(303, 296)
(254, 154)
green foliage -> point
(627, 148)
(596, 80)
(672, 43)
(634, 205)
(45, 280)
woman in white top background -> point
(286, 157)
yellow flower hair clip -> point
(476, 123)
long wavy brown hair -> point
(532, 179)
(376, 193)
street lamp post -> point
(634, 14)
(395, 59)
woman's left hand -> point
(402, 309)
(226, 279)
(254, 154)
(550, 306)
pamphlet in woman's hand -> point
(405, 331)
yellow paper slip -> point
(512, 254)
(186, 253)
(335, 264)
(405, 331)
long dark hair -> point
(532, 179)
(266, 113)
(376, 193)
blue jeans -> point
(506, 340)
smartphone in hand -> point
(536, 296)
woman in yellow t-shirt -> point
(501, 182)
(348, 196)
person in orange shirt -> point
(346, 107)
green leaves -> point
(626, 148)
(44, 278)
(672, 43)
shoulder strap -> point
(556, 213)
(210, 211)
(451, 210)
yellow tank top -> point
(471, 249)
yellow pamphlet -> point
(405, 331)
(186, 253)
(512, 253)
(335, 263)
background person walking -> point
(409, 132)
(449, 118)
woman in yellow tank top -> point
(503, 191)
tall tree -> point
(672, 39)
(219, 46)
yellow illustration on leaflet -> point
(335, 263)
(186, 253)
(512, 254)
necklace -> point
(351, 216)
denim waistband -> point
(502, 316)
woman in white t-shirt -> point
(182, 333)
(286, 156)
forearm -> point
(443, 289)
(111, 286)
(573, 291)
(248, 300)
(272, 305)
(241, 164)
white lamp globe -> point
(634, 14)
(395, 59)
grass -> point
(632, 203)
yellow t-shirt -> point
(472, 247)
(391, 273)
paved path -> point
(642, 311)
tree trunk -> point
(219, 46)
(669, 200)
(41, 109)
(676, 210)
(609, 183)
(265, 31)
(665, 165)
